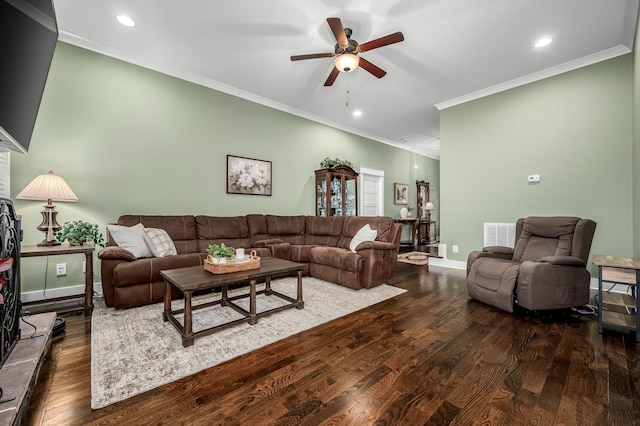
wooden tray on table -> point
(232, 265)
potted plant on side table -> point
(78, 232)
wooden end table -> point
(87, 250)
(196, 278)
(618, 311)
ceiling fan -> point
(347, 49)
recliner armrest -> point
(494, 252)
(115, 253)
(502, 250)
(564, 260)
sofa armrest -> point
(115, 253)
(265, 243)
(280, 250)
(564, 261)
(375, 245)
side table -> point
(618, 310)
(87, 250)
(414, 227)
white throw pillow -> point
(130, 238)
(364, 234)
(159, 242)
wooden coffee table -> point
(195, 279)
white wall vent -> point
(499, 234)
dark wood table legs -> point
(88, 283)
(195, 279)
(253, 318)
(299, 302)
(65, 249)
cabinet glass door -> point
(322, 196)
(336, 196)
(350, 202)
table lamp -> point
(428, 207)
(49, 187)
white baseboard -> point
(446, 263)
(54, 293)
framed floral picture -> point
(400, 193)
(248, 176)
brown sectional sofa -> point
(320, 243)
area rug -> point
(133, 350)
(415, 258)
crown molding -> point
(537, 76)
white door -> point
(372, 193)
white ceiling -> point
(454, 51)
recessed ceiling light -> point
(357, 113)
(126, 21)
(543, 42)
(403, 139)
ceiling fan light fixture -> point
(347, 62)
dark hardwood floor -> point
(429, 356)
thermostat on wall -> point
(534, 178)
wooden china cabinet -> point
(337, 191)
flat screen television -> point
(28, 36)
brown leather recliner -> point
(545, 270)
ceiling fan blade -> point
(373, 69)
(382, 41)
(332, 77)
(338, 31)
(312, 56)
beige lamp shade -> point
(48, 187)
(429, 206)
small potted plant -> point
(220, 253)
(78, 232)
(328, 163)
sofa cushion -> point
(321, 230)
(145, 271)
(130, 238)
(545, 236)
(257, 228)
(181, 229)
(289, 229)
(232, 231)
(159, 242)
(300, 253)
(336, 257)
(353, 224)
(364, 234)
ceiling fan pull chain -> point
(347, 100)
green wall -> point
(130, 140)
(574, 129)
